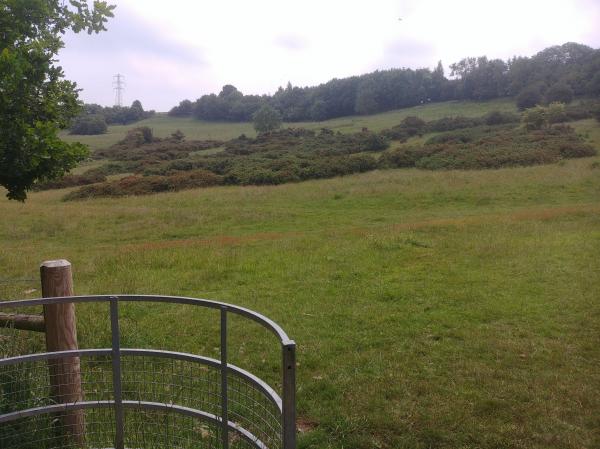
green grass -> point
(163, 125)
(452, 309)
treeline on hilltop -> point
(94, 118)
(555, 74)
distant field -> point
(163, 125)
(453, 309)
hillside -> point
(163, 125)
(143, 163)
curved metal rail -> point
(233, 380)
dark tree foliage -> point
(123, 115)
(480, 78)
(560, 92)
(596, 113)
(266, 119)
(88, 121)
(184, 109)
(230, 105)
(574, 65)
(529, 98)
(87, 124)
(35, 99)
(593, 85)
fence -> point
(142, 398)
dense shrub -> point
(535, 118)
(137, 137)
(529, 98)
(596, 112)
(452, 123)
(492, 148)
(266, 119)
(110, 168)
(140, 145)
(412, 126)
(296, 154)
(113, 115)
(184, 109)
(544, 116)
(88, 124)
(559, 92)
(406, 156)
(500, 118)
(300, 140)
(409, 127)
(579, 111)
(369, 141)
(143, 185)
(71, 181)
(556, 113)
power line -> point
(119, 86)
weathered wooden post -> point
(61, 335)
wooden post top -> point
(59, 263)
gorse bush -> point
(544, 116)
(275, 157)
(412, 126)
(140, 145)
(143, 185)
(452, 123)
(493, 147)
(296, 154)
(500, 118)
(71, 181)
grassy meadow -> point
(432, 309)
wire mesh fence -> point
(46, 431)
(162, 399)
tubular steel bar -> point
(261, 319)
(224, 371)
(285, 405)
(289, 396)
(145, 405)
(251, 378)
(116, 369)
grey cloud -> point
(127, 34)
(92, 60)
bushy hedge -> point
(297, 154)
(491, 148)
(71, 181)
(143, 185)
(110, 168)
(141, 145)
(412, 126)
(88, 124)
(300, 140)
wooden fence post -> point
(61, 335)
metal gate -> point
(145, 398)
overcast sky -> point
(176, 49)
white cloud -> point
(185, 48)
